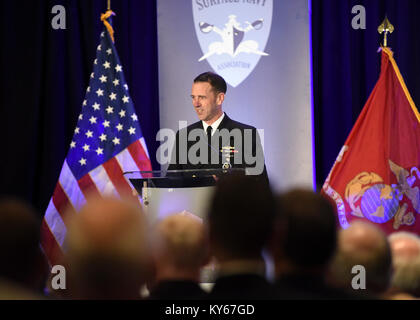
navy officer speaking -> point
(216, 141)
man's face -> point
(207, 104)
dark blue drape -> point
(346, 65)
(44, 76)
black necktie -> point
(209, 130)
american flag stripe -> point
(54, 222)
(72, 189)
(126, 161)
(102, 181)
(62, 202)
(139, 155)
(115, 173)
(144, 149)
(88, 187)
(50, 246)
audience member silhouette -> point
(180, 250)
(362, 244)
(240, 220)
(23, 267)
(405, 248)
(107, 251)
(303, 244)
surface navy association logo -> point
(232, 35)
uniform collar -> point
(215, 124)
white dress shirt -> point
(215, 124)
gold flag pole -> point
(385, 28)
(109, 5)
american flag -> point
(107, 141)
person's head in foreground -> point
(180, 247)
(107, 250)
(405, 248)
(363, 249)
(305, 234)
(240, 218)
(23, 265)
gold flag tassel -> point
(104, 18)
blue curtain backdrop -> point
(44, 76)
(346, 65)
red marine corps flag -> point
(376, 175)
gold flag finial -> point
(385, 28)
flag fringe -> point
(400, 78)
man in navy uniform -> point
(216, 141)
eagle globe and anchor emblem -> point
(369, 197)
(234, 50)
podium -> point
(164, 193)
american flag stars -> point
(96, 106)
(100, 92)
(109, 109)
(99, 151)
(119, 127)
(110, 124)
(103, 79)
(113, 96)
(116, 141)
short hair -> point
(217, 82)
(310, 229)
(107, 247)
(400, 235)
(374, 256)
(182, 240)
(241, 215)
(406, 269)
